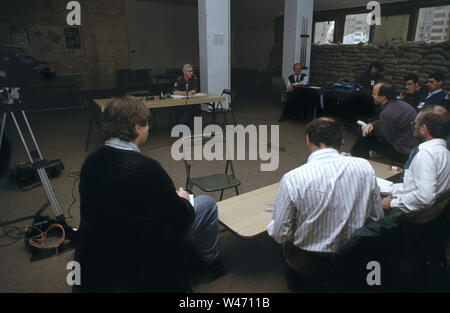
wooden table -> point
(171, 102)
(246, 216)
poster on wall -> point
(72, 35)
(19, 37)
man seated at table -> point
(185, 85)
(321, 203)
(392, 134)
(414, 92)
(435, 93)
(295, 80)
(134, 223)
(371, 77)
(427, 172)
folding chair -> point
(213, 182)
(220, 109)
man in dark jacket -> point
(435, 94)
(392, 134)
(134, 224)
(414, 92)
(371, 77)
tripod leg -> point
(2, 132)
(32, 135)
(41, 171)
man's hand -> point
(387, 203)
(367, 129)
(183, 193)
(402, 95)
(447, 96)
(290, 88)
(192, 92)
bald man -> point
(427, 174)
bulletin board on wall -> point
(72, 35)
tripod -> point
(12, 103)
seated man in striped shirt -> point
(321, 203)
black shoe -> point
(214, 270)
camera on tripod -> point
(13, 70)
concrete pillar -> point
(298, 18)
(214, 40)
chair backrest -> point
(229, 92)
(191, 142)
(200, 140)
(141, 75)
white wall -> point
(214, 24)
(295, 12)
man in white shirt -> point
(427, 172)
(320, 204)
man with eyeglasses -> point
(427, 171)
(186, 84)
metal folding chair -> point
(213, 182)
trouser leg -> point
(204, 230)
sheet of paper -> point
(383, 183)
(191, 199)
(199, 94)
(178, 96)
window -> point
(323, 32)
(429, 17)
(356, 29)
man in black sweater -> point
(135, 226)
(414, 92)
(371, 77)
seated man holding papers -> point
(427, 171)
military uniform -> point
(180, 84)
(185, 115)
